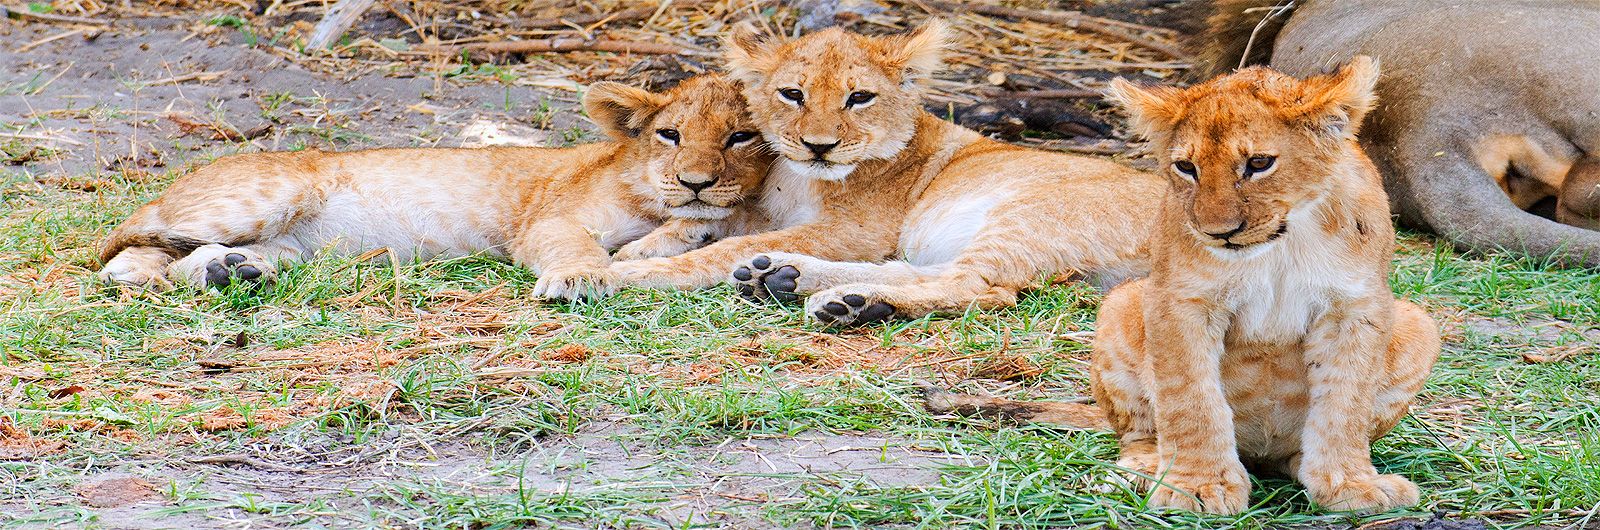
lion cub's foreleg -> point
(672, 238)
(568, 259)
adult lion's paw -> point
(1375, 494)
(775, 276)
(848, 305)
(1223, 492)
(574, 284)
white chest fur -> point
(1275, 293)
(788, 197)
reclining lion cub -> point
(1266, 332)
(689, 154)
(1489, 108)
(865, 174)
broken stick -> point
(555, 45)
(340, 17)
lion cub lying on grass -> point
(689, 155)
(1266, 332)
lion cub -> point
(687, 156)
(1266, 332)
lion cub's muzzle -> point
(701, 196)
(1245, 236)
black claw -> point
(216, 275)
(835, 308)
(855, 300)
(742, 274)
(761, 262)
(876, 312)
(233, 258)
(249, 272)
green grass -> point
(434, 395)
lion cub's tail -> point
(1239, 33)
(1069, 415)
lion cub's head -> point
(1245, 150)
(695, 145)
(833, 99)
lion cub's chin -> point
(700, 210)
(819, 170)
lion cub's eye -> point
(793, 94)
(670, 135)
(1257, 164)
(740, 137)
(1185, 168)
(859, 97)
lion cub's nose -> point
(696, 183)
(818, 149)
(1222, 231)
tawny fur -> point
(1267, 332)
(556, 211)
(1279, 345)
(966, 221)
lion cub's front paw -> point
(655, 245)
(1376, 494)
(576, 284)
(1225, 492)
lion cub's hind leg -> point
(144, 267)
(218, 265)
(865, 303)
(1116, 377)
(786, 277)
(1413, 348)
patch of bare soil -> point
(151, 95)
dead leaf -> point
(65, 391)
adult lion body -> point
(556, 211)
(866, 175)
(1487, 108)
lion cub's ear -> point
(750, 54)
(1336, 102)
(918, 54)
(1151, 111)
(623, 111)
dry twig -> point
(555, 45)
(1072, 19)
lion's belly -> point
(1266, 388)
(412, 222)
(939, 232)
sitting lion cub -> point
(1266, 331)
(689, 154)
